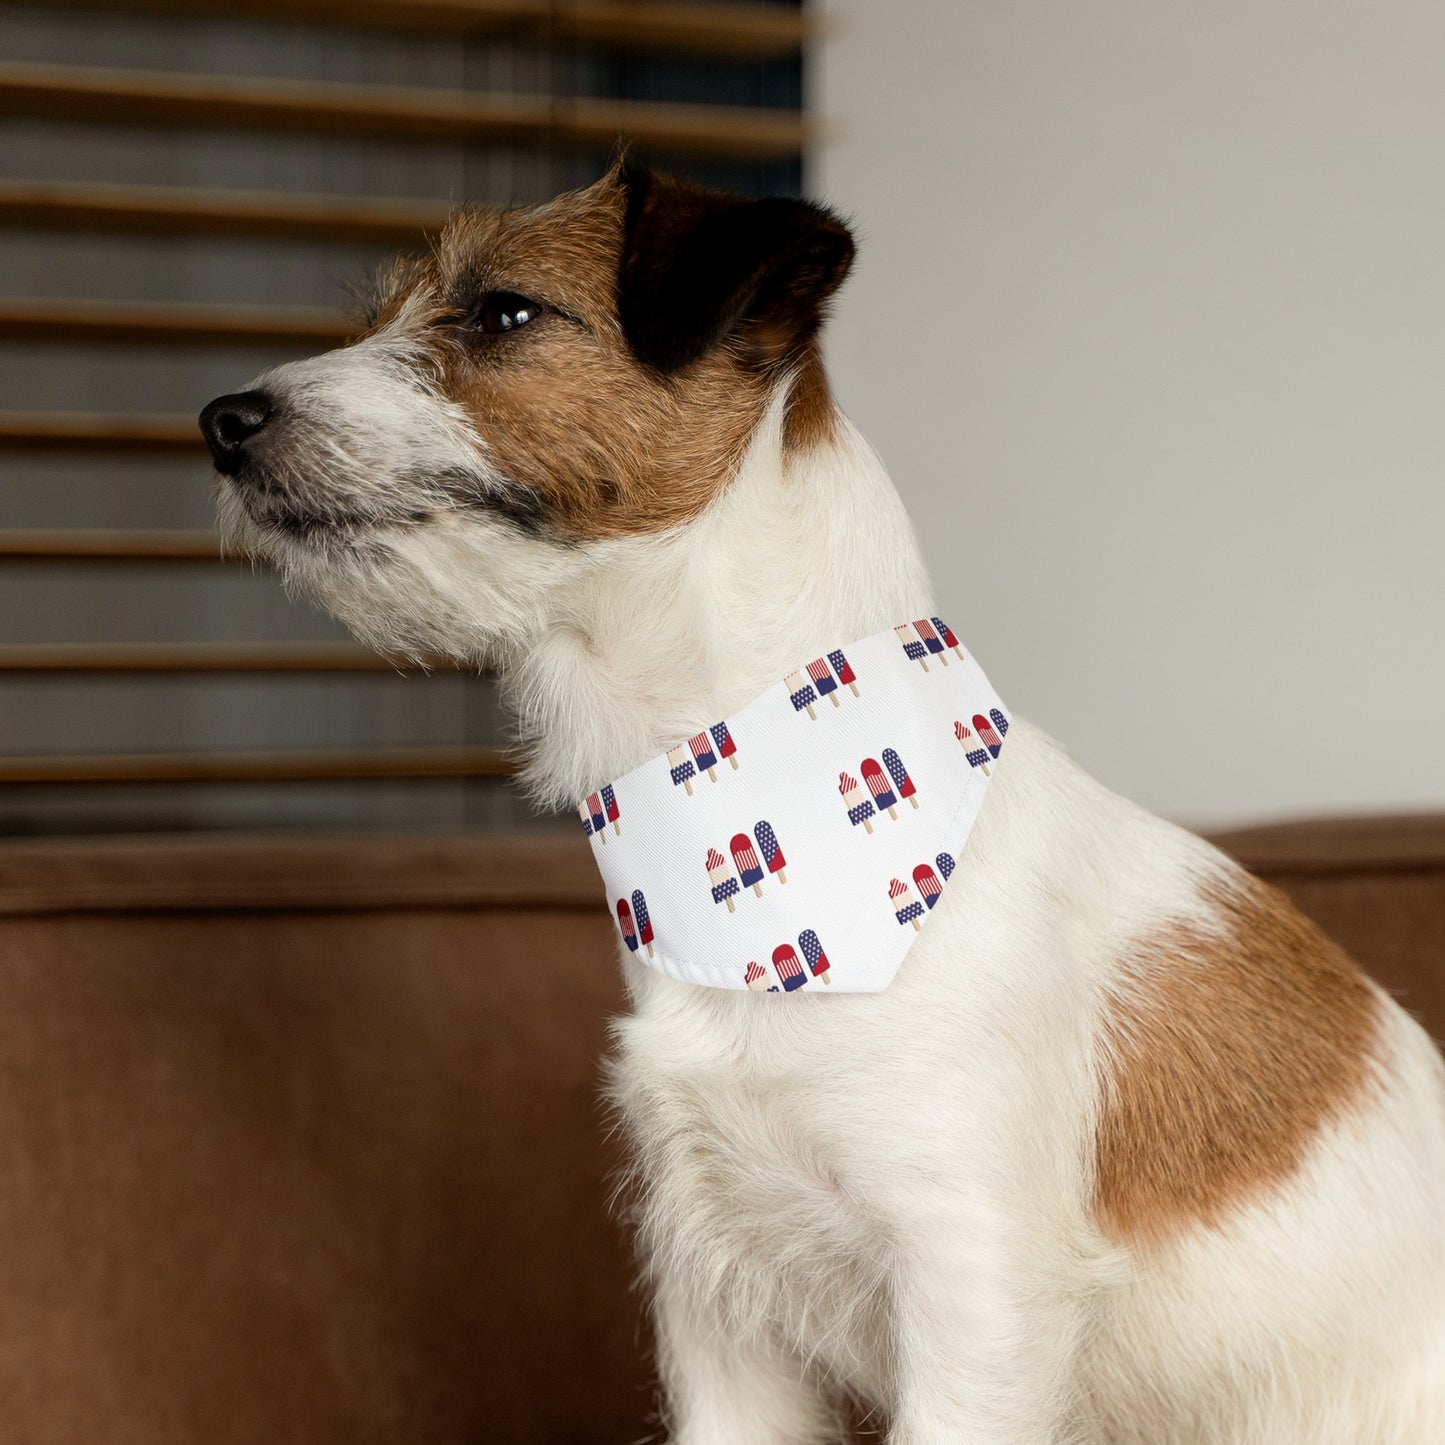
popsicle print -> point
(644, 920)
(946, 633)
(609, 801)
(599, 822)
(906, 907)
(945, 865)
(999, 720)
(845, 673)
(625, 923)
(823, 679)
(800, 693)
(789, 967)
(756, 978)
(585, 813)
(913, 649)
(857, 802)
(931, 640)
(988, 734)
(772, 854)
(702, 751)
(813, 952)
(726, 747)
(878, 786)
(682, 769)
(745, 860)
(928, 885)
(724, 885)
(899, 774)
(977, 757)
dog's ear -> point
(699, 266)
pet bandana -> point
(803, 841)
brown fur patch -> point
(1226, 1053)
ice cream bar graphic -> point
(931, 640)
(585, 813)
(988, 734)
(609, 801)
(813, 952)
(999, 720)
(745, 859)
(945, 865)
(800, 693)
(878, 786)
(724, 885)
(681, 765)
(845, 673)
(726, 747)
(701, 747)
(624, 922)
(789, 967)
(756, 978)
(907, 908)
(899, 774)
(977, 757)
(644, 920)
(818, 671)
(946, 633)
(772, 854)
(928, 885)
(913, 649)
(599, 822)
(857, 802)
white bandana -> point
(868, 766)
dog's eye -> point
(504, 311)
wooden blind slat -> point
(169, 210)
(81, 431)
(158, 323)
(190, 657)
(715, 29)
(73, 544)
(259, 767)
(156, 98)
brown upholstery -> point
(300, 1140)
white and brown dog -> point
(1168, 1170)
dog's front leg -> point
(721, 1387)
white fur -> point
(889, 1194)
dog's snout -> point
(229, 422)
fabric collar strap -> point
(869, 765)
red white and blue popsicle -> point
(682, 769)
(599, 820)
(857, 802)
(745, 860)
(928, 885)
(772, 854)
(644, 920)
(913, 649)
(977, 757)
(813, 952)
(931, 640)
(899, 774)
(878, 786)
(790, 970)
(800, 693)
(609, 801)
(988, 734)
(822, 677)
(726, 747)
(756, 978)
(845, 673)
(945, 865)
(946, 633)
(999, 720)
(625, 923)
(702, 752)
(906, 908)
(724, 885)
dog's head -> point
(579, 374)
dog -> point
(1127, 1152)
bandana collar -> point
(870, 764)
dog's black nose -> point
(229, 422)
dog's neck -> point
(656, 638)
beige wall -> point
(1149, 325)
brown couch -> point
(300, 1139)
